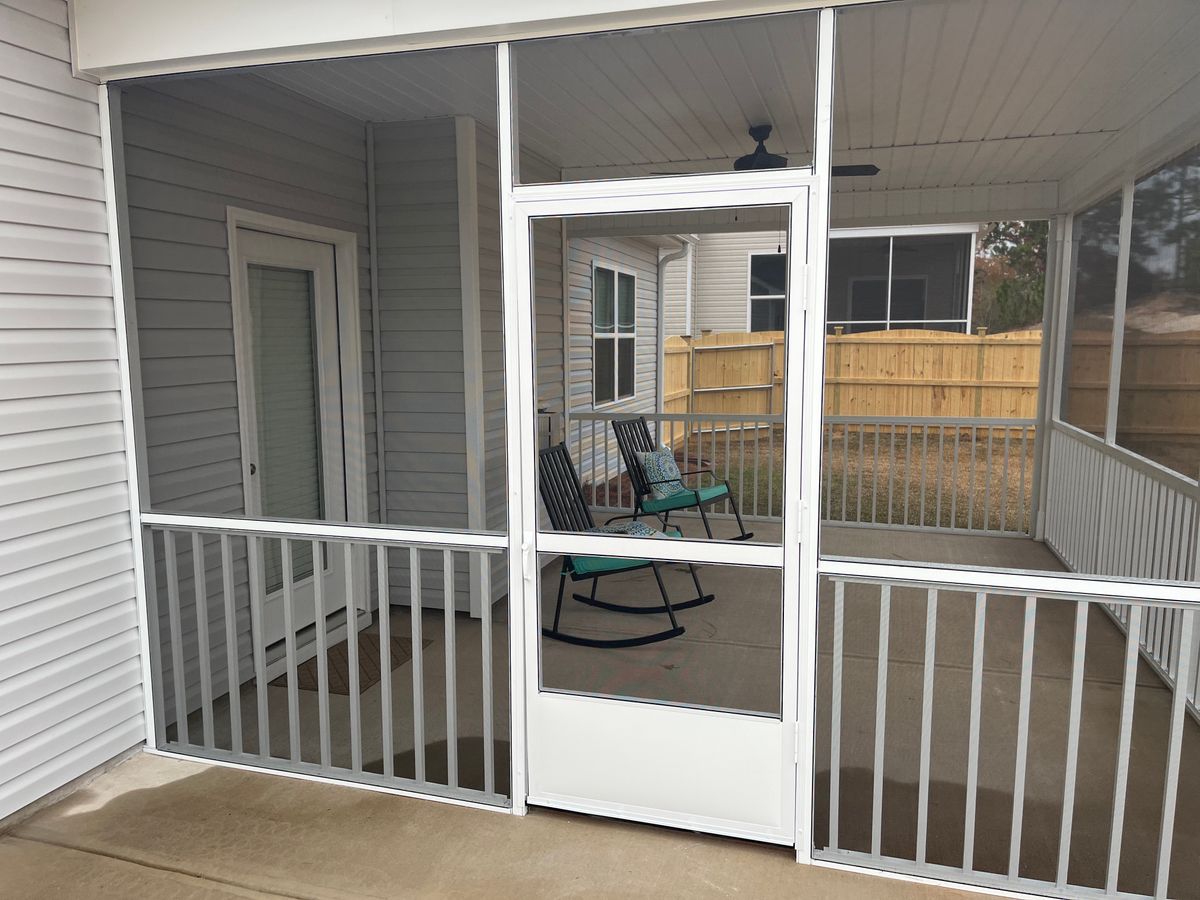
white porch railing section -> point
(1109, 512)
(959, 737)
(223, 693)
(968, 474)
(971, 474)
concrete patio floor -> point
(166, 828)
(729, 658)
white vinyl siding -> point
(721, 289)
(70, 673)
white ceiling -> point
(937, 93)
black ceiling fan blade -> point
(854, 171)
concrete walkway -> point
(165, 828)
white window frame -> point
(615, 335)
(891, 232)
(751, 297)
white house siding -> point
(630, 255)
(722, 283)
(192, 147)
(70, 674)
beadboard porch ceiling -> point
(938, 95)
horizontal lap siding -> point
(70, 672)
(193, 147)
(626, 255)
(723, 278)
(675, 295)
(421, 333)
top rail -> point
(697, 418)
(931, 421)
(291, 528)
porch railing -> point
(958, 737)
(1109, 512)
(300, 704)
(967, 474)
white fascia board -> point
(139, 38)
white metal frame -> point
(577, 199)
(616, 335)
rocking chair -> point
(633, 437)
(562, 495)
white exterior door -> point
(640, 757)
(291, 405)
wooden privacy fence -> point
(880, 373)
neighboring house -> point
(879, 279)
(290, 303)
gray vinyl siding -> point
(627, 255)
(70, 672)
(420, 310)
(193, 147)
(721, 289)
(421, 334)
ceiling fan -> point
(761, 158)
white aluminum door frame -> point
(792, 188)
(806, 321)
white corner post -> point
(1118, 333)
(804, 379)
(1051, 324)
(518, 353)
(113, 162)
(472, 341)
(376, 328)
(684, 253)
(1062, 316)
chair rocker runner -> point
(562, 494)
(633, 438)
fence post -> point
(838, 331)
(979, 371)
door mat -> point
(339, 665)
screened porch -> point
(326, 479)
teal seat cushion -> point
(685, 498)
(603, 565)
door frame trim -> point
(345, 255)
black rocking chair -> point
(562, 494)
(633, 437)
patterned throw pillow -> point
(662, 473)
(633, 529)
